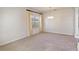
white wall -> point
(13, 24)
(0, 23)
(63, 21)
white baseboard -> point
(61, 33)
(7, 42)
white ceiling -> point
(42, 9)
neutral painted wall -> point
(12, 24)
(63, 21)
(0, 23)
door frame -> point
(30, 22)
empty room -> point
(39, 29)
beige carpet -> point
(43, 42)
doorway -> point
(35, 23)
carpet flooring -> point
(43, 42)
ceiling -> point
(42, 9)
